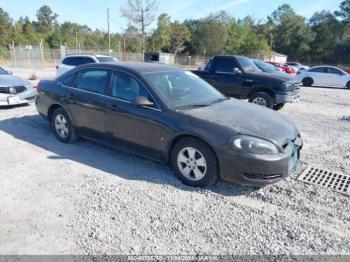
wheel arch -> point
(52, 109)
(264, 90)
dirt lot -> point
(85, 198)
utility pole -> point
(76, 38)
(109, 31)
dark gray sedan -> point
(15, 90)
(172, 116)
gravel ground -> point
(87, 199)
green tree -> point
(326, 28)
(5, 28)
(344, 12)
(179, 36)
(243, 40)
(46, 19)
(291, 34)
(162, 35)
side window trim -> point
(109, 90)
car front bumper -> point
(26, 97)
(259, 170)
(288, 97)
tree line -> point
(324, 38)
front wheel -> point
(348, 85)
(195, 163)
(262, 99)
(63, 127)
(278, 106)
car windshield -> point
(3, 71)
(106, 59)
(265, 66)
(180, 89)
(247, 64)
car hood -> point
(275, 77)
(10, 80)
(247, 119)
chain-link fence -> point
(38, 57)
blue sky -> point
(93, 13)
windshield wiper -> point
(205, 104)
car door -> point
(139, 129)
(224, 78)
(86, 101)
(336, 77)
(318, 75)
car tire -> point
(308, 81)
(262, 99)
(278, 106)
(63, 127)
(194, 163)
(348, 85)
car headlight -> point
(254, 145)
(287, 85)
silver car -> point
(15, 90)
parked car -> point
(325, 76)
(71, 61)
(15, 90)
(268, 68)
(287, 69)
(239, 77)
(172, 116)
(296, 66)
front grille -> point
(6, 89)
(252, 176)
(296, 86)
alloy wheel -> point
(61, 126)
(192, 164)
(260, 101)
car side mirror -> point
(10, 72)
(236, 70)
(142, 101)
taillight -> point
(37, 87)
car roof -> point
(236, 56)
(135, 67)
(85, 55)
(318, 66)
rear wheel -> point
(195, 163)
(308, 81)
(262, 99)
(62, 126)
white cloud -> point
(231, 4)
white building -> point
(279, 58)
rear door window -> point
(224, 64)
(93, 80)
(88, 60)
(73, 61)
(334, 71)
